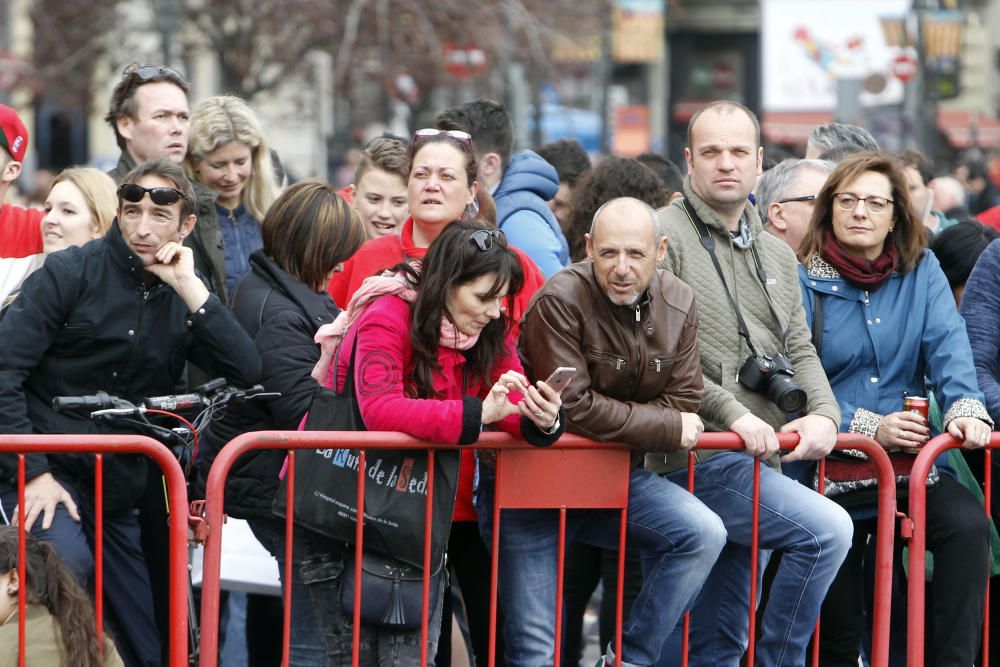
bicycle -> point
(206, 403)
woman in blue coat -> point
(890, 328)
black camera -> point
(772, 376)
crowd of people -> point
(441, 288)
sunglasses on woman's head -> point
(161, 196)
(461, 137)
(485, 239)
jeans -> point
(676, 536)
(813, 535)
(322, 570)
(306, 647)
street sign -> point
(904, 66)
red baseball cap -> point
(13, 134)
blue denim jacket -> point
(240, 236)
(905, 338)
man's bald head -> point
(625, 245)
(629, 207)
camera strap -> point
(709, 244)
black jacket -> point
(86, 322)
(282, 315)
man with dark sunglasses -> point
(122, 315)
(150, 117)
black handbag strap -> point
(709, 244)
(349, 382)
(817, 323)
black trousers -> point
(587, 565)
(469, 561)
(958, 536)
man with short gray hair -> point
(631, 332)
(835, 141)
(786, 196)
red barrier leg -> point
(99, 547)
(286, 622)
(685, 647)
(987, 490)
(560, 565)
(754, 547)
(494, 570)
(820, 489)
(428, 536)
(620, 598)
(359, 536)
(22, 556)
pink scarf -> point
(329, 335)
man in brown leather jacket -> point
(631, 332)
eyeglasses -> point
(848, 202)
(802, 198)
(161, 196)
(461, 137)
(486, 239)
(147, 72)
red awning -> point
(965, 129)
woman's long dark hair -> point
(454, 259)
(49, 583)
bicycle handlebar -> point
(99, 401)
(216, 392)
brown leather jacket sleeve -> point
(552, 336)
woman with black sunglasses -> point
(433, 357)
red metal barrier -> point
(517, 486)
(291, 440)
(918, 543)
(177, 497)
(883, 546)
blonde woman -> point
(228, 154)
(79, 208)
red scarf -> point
(862, 273)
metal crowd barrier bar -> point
(513, 455)
(177, 497)
(523, 481)
(916, 524)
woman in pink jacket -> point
(434, 358)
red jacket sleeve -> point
(382, 357)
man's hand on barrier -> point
(691, 429)
(974, 433)
(817, 437)
(41, 495)
(758, 436)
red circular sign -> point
(904, 67)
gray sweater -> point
(723, 350)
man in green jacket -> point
(761, 373)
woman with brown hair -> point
(307, 234)
(885, 326)
(60, 625)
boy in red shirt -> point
(20, 228)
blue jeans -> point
(306, 647)
(676, 536)
(813, 535)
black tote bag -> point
(326, 485)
